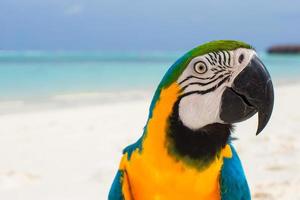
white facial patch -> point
(204, 81)
(195, 115)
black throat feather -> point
(195, 147)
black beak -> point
(251, 92)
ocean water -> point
(34, 75)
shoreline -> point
(73, 100)
(82, 99)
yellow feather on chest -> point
(153, 174)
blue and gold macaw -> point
(185, 151)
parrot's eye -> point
(200, 67)
(241, 58)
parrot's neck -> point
(166, 137)
(202, 145)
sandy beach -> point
(72, 152)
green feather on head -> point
(209, 47)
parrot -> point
(186, 150)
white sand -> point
(73, 152)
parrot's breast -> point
(168, 179)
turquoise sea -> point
(27, 75)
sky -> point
(144, 25)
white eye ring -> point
(200, 67)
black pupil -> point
(201, 67)
(241, 58)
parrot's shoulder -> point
(115, 192)
(233, 182)
(133, 147)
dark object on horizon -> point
(284, 49)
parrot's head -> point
(221, 82)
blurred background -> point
(77, 77)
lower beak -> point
(251, 92)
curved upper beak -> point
(251, 92)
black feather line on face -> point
(229, 59)
(220, 59)
(189, 77)
(205, 91)
(209, 60)
(212, 57)
(197, 148)
(206, 83)
(224, 59)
